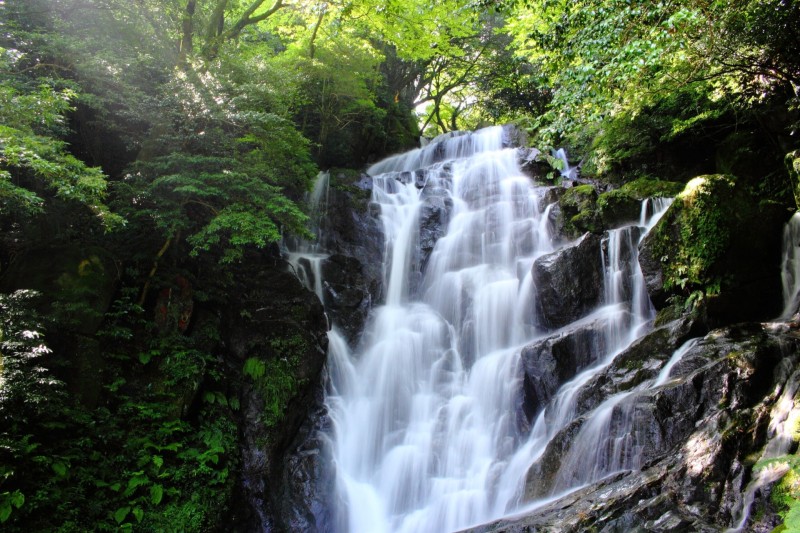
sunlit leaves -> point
(609, 58)
(33, 163)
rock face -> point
(274, 324)
(548, 363)
(351, 232)
(696, 434)
(707, 241)
(346, 293)
(569, 282)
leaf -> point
(137, 480)
(138, 514)
(156, 494)
(234, 403)
(59, 468)
(144, 357)
(5, 511)
(158, 461)
(17, 499)
(121, 513)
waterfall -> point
(424, 426)
(306, 257)
(567, 171)
(424, 431)
(790, 267)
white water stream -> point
(307, 256)
(424, 430)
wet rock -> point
(697, 432)
(352, 228)
(308, 479)
(533, 164)
(568, 282)
(346, 293)
(434, 216)
(273, 323)
(514, 136)
(551, 362)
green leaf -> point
(5, 510)
(59, 468)
(158, 461)
(138, 514)
(156, 494)
(17, 499)
(121, 513)
(137, 480)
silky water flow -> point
(424, 431)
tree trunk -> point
(187, 33)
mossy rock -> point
(718, 241)
(645, 187)
(617, 207)
(792, 161)
(579, 210)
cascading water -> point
(424, 431)
(306, 257)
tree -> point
(610, 58)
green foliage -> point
(651, 87)
(225, 203)
(34, 162)
(136, 461)
(276, 376)
(785, 494)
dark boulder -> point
(351, 227)
(706, 243)
(273, 331)
(551, 362)
(568, 282)
(347, 294)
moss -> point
(701, 225)
(617, 207)
(579, 207)
(587, 220)
(792, 161)
(277, 377)
(651, 188)
(581, 192)
(674, 310)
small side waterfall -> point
(306, 257)
(567, 171)
(424, 429)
